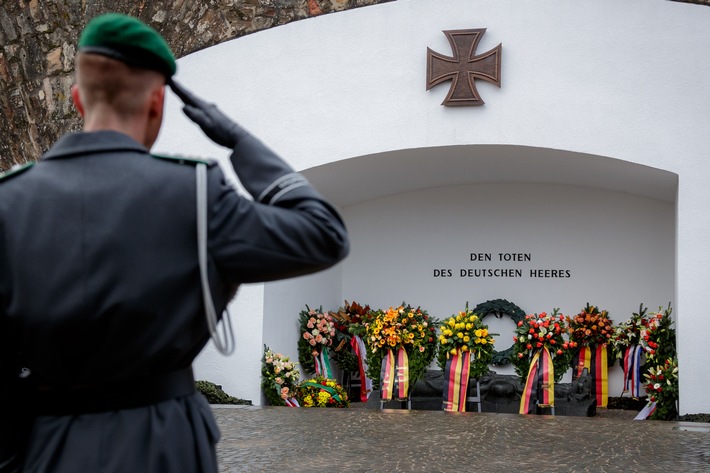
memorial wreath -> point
(322, 392)
(662, 388)
(541, 357)
(499, 308)
(538, 331)
(349, 316)
(592, 330)
(317, 333)
(350, 351)
(662, 364)
(279, 378)
(590, 327)
(466, 332)
(410, 334)
(465, 350)
(629, 347)
(630, 332)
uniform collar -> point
(93, 142)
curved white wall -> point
(622, 79)
(610, 249)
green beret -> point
(129, 40)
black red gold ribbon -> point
(387, 376)
(594, 358)
(401, 382)
(395, 375)
(456, 374)
(540, 384)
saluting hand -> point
(217, 126)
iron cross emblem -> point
(464, 67)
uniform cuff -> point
(281, 186)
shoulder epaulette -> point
(15, 170)
(184, 159)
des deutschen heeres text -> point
(501, 272)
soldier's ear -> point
(77, 100)
(157, 102)
(154, 119)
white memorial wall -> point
(589, 161)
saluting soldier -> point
(101, 306)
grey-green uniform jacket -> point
(99, 290)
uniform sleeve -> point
(288, 230)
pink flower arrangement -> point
(317, 334)
(320, 330)
(279, 377)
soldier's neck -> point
(135, 128)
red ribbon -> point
(365, 382)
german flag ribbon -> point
(322, 362)
(401, 381)
(456, 374)
(394, 375)
(360, 352)
(632, 370)
(539, 388)
(594, 358)
(387, 376)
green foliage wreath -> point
(499, 308)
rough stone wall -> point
(38, 39)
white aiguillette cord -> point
(224, 344)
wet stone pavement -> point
(364, 440)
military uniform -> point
(100, 295)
